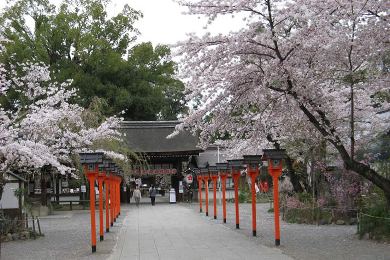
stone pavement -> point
(171, 231)
(67, 236)
(178, 231)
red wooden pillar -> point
(107, 188)
(275, 169)
(206, 182)
(253, 174)
(91, 178)
(215, 179)
(223, 179)
(100, 178)
(236, 179)
(200, 192)
(119, 196)
(115, 200)
(112, 201)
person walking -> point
(152, 194)
(137, 195)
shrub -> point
(293, 202)
(305, 197)
(308, 216)
(375, 222)
(243, 196)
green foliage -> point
(74, 183)
(79, 41)
(305, 197)
(27, 203)
(93, 116)
(300, 209)
(19, 192)
(375, 216)
(375, 222)
(264, 197)
(243, 196)
(308, 216)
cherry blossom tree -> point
(47, 129)
(298, 70)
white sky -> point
(164, 21)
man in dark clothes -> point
(152, 194)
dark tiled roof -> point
(210, 156)
(16, 176)
(151, 137)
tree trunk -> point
(45, 175)
(372, 175)
(2, 184)
(323, 125)
(289, 164)
(295, 178)
(57, 182)
(43, 189)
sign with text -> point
(181, 190)
(154, 171)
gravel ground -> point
(302, 241)
(67, 236)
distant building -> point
(10, 203)
(167, 159)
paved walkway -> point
(178, 231)
(170, 231)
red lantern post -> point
(274, 158)
(253, 174)
(236, 166)
(236, 181)
(100, 178)
(112, 200)
(200, 180)
(205, 178)
(213, 172)
(115, 198)
(107, 188)
(91, 175)
(90, 162)
(222, 167)
(215, 179)
(223, 180)
(252, 162)
(118, 196)
(206, 182)
(119, 180)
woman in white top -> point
(137, 196)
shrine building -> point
(166, 159)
